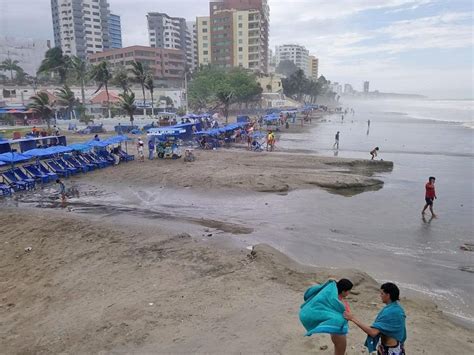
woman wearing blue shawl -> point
(388, 327)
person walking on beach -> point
(387, 334)
(270, 140)
(151, 148)
(62, 190)
(336, 143)
(140, 144)
(373, 152)
(430, 195)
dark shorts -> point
(429, 201)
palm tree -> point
(11, 66)
(42, 106)
(101, 74)
(121, 79)
(55, 61)
(149, 85)
(127, 103)
(140, 74)
(80, 70)
(66, 97)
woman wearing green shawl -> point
(388, 327)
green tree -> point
(120, 78)
(21, 77)
(296, 85)
(11, 66)
(67, 99)
(42, 107)
(55, 62)
(140, 74)
(127, 103)
(286, 68)
(151, 88)
(100, 73)
(80, 70)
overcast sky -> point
(413, 46)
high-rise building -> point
(81, 27)
(366, 87)
(192, 31)
(115, 31)
(239, 32)
(295, 53)
(170, 32)
(348, 89)
(203, 34)
(313, 64)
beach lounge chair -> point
(34, 172)
(107, 156)
(99, 158)
(66, 166)
(23, 177)
(76, 164)
(100, 163)
(13, 181)
(57, 169)
(52, 176)
(5, 190)
(125, 157)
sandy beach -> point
(91, 286)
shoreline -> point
(138, 288)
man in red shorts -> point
(430, 195)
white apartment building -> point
(193, 52)
(171, 32)
(299, 55)
(81, 26)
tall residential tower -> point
(81, 27)
(115, 31)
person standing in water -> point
(368, 123)
(336, 143)
(430, 195)
(373, 152)
(62, 190)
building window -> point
(240, 49)
(240, 17)
(204, 23)
(240, 33)
(205, 52)
(204, 38)
(240, 25)
(240, 41)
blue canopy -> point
(2, 163)
(13, 157)
(44, 152)
(82, 147)
(94, 143)
(217, 131)
(117, 139)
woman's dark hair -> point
(432, 178)
(344, 285)
(392, 290)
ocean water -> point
(382, 232)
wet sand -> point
(251, 171)
(89, 285)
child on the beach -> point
(430, 195)
(140, 144)
(373, 152)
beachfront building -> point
(166, 64)
(192, 34)
(115, 31)
(203, 39)
(239, 33)
(169, 32)
(313, 66)
(27, 51)
(295, 53)
(81, 27)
